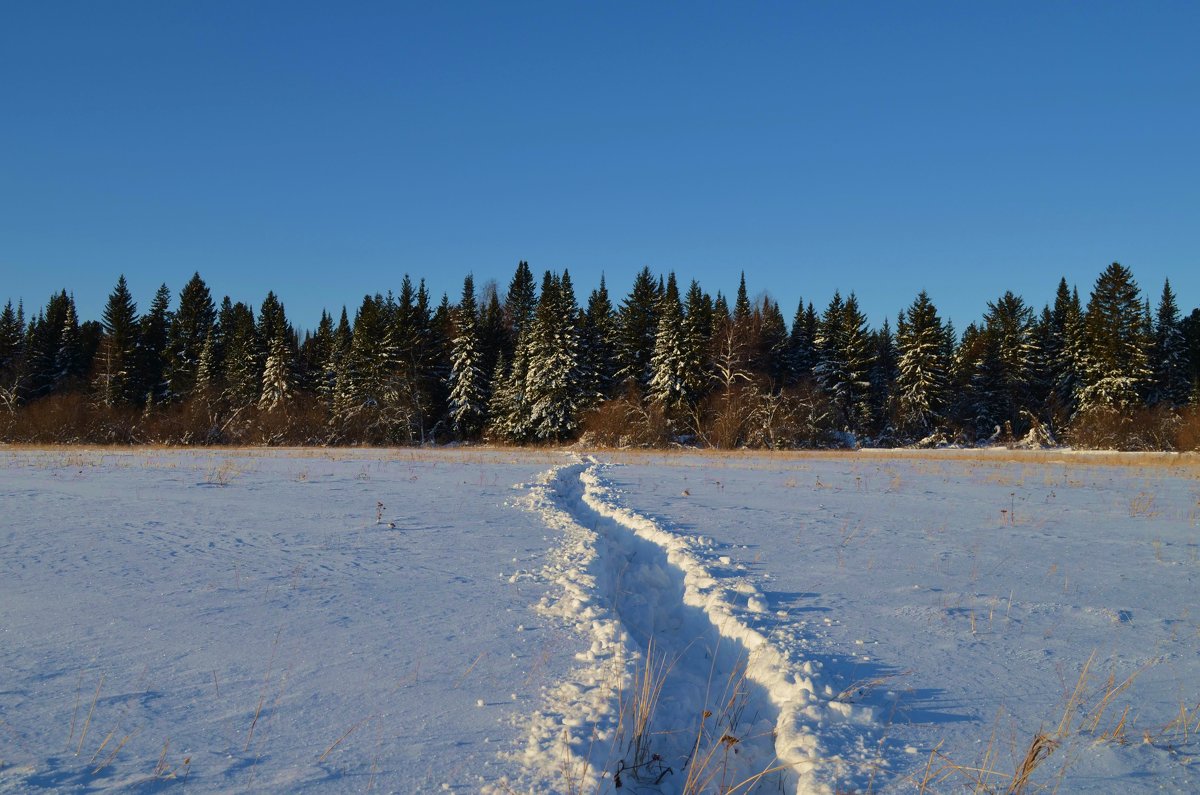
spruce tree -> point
(772, 342)
(468, 406)
(669, 364)
(189, 328)
(208, 373)
(492, 340)
(153, 328)
(1191, 336)
(698, 330)
(637, 324)
(1003, 383)
(741, 305)
(241, 366)
(519, 305)
(882, 377)
(315, 354)
(52, 347)
(1171, 383)
(70, 360)
(116, 362)
(12, 334)
(369, 363)
(277, 349)
(503, 404)
(802, 352)
(922, 378)
(844, 361)
(1116, 367)
(337, 374)
(597, 352)
(553, 381)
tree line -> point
(662, 365)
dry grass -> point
(1086, 716)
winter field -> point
(479, 620)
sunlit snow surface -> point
(412, 621)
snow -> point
(482, 620)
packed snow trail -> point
(727, 710)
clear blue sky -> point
(324, 149)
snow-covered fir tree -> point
(1171, 384)
(597, 353)
(553, 382)
(802, 351)
(882, 376)
(277, 374)
(12, 333)
(1115, 362)
(468, 398)
(242, 365)
(276, 349)
(698, 326)
(153, 328)
(771, 340)
(1002, 385)
(844, 358)
(117, 371)
(208, 377)
(70, 361)
(922, 377)
(637, 325)
(520, 303)
(189, 327)
(669, 364)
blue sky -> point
(324, 149)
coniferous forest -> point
(663, 364)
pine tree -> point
(468, 406)
(189, 327)
(1116, 367)
(1171, 383)
(922, 377)
(637, 325)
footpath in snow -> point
(682, 689)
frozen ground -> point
(409, 621)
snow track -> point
(731, 713)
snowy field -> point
(488, 620)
